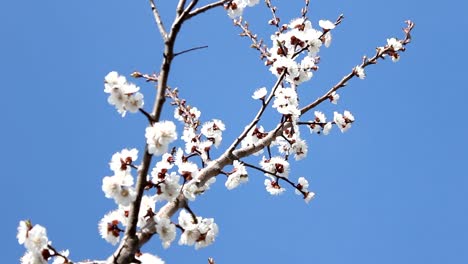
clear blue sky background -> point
(394, 189)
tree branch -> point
(132, 240)
(259, 113)
(206, 8)
(158, 20)
(180, 7)
(379, 54)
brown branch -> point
(157, 19)
(379, 54)
(132, 240)
(206, 8)
(259, 113)
(215, 167)
(180, 7)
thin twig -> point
(194, 216)
(273, 174)
(188, 50)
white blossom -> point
(147, 258)
(191, 233)
(302, 184)
(134, 102)
(208, 230)
(236, 8)
(213, 130)
(260, 93)
(395, 44)
(166, 230)
(36, 239)
(253, 136)
(61, 260)
(238, 176)
(334, 97)
(190, 191)
(326, 129)
(276, 165)
(23, 228)
(121, 160)
(118, 187)
(159, 136)
(193, 113)
(147, 206)
(112, 81)
(326, 24)
(108, 227)
(273, 187)
(343, 121)
(170, 187)
(32, 258)
(359, 71)
(327, 39)
(300, 149)
(286, 102)
(309, 196)
(122, 94)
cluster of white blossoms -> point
(197, 231)
(110, 229)
(112, 224)
(122, 94)
(286, 102)
(120, 186)
(168, 187)
(343, 121)
(38, 247)
(236, 7)
(299, 38)
(159, 136)
(320, 124)
(213, 131)
(35, 241)
(180, 115)
(275, 167)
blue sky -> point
(393, 189)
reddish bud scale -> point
(275, 185)
(46, 254)
(187, 175)
(202, 237)
(123, 165)
(279, 167)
